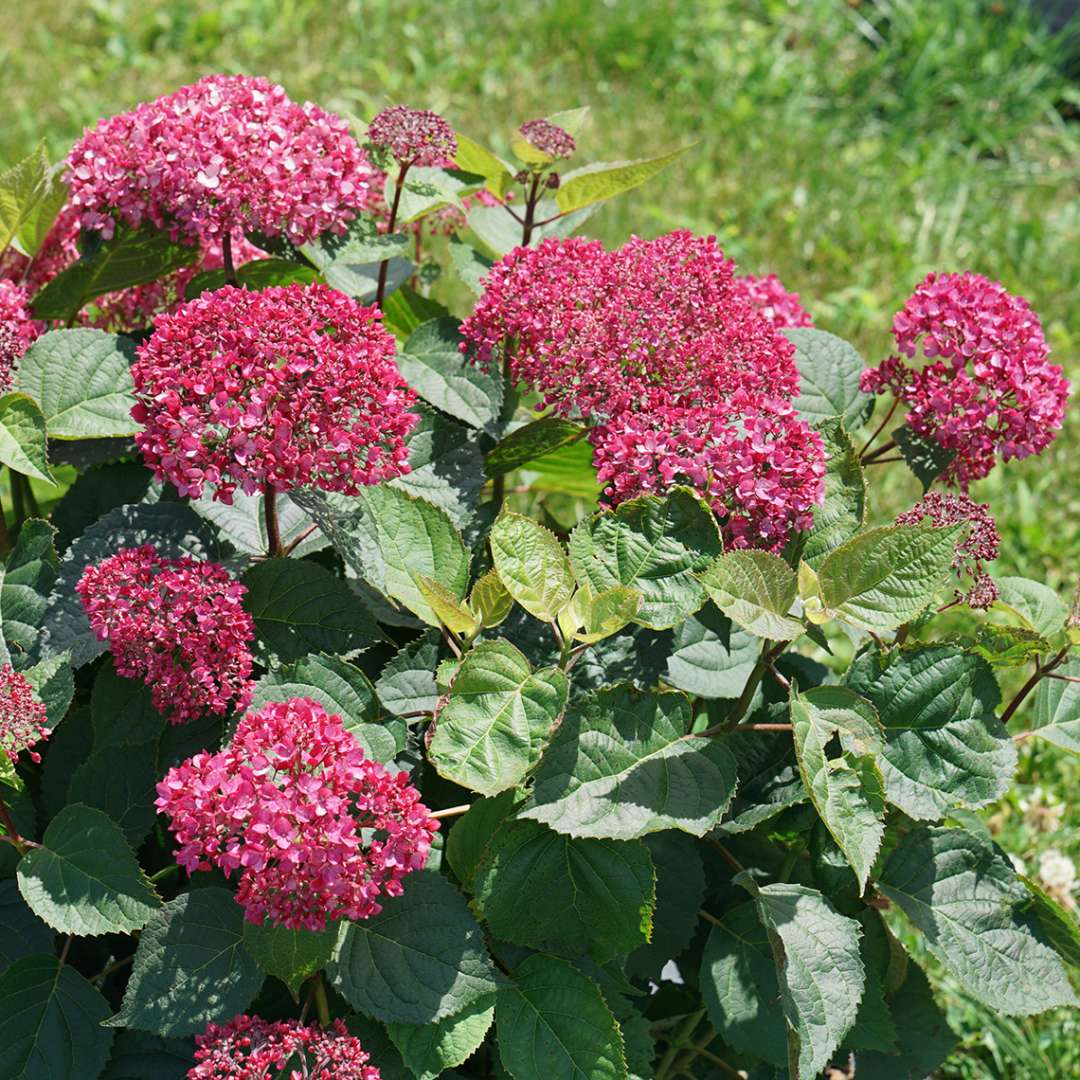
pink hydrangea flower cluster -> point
(413, 136)
(250, 1048)
(18, 329)
(290, 386)
(783, 309)
(178, 624)
(317, 831)
(987, 388)
(979, 545)
(683, 380)
(227, 154)
(548, 138)
(23, 721)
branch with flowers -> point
(470, 650)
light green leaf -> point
(25, 583)
(23, 442)
(497, 718)
(843, 512)
(191, 967)
(597, 616)
(656, 546)
(963, 894)
(848, 790)
(474, 158)
(1037, 606)
(81, 378)
(529, 442)
(603, 180)
(349, 262)
(546, 890)
(290, 955)
(470, 265)
(42, 216)
(429, 1049)
(22, 188)
(532, 565)
(1056, 716)
(300, 608)
(568, 471)
(944, 745)
(489, 600)
(405, 310)
(829, 370)
(421, 959)
(755, 589)
(624, 764)
(819, 970)
(85, 879)
(50, 1022)
(884, 577)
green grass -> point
(848, 145)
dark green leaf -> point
(122, 786)
(471, 834)
(138, 1055)
(22, 933)
(711, 658)
(26, 580)
(243, 524)
(407, 682)
(429, 1049)
(256, 275)
(122, 711)
(924, 457)
(529, 442)
(290, 955)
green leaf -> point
(623, 764)
(532, 565)
(84, 879)
(22, 933)
(405, 310)
(1059, 926)
(474, 830)
(925, 458)
(529, 442)
(256, 275)
(407, 682)
(1037, 606)
(42, 216)
(26, 579)
(944, 744)
(873, 1028)
(289, 955)
(497, 718)
(470, 265)
(709, 657)
(769, 778)
(544, 889)
(191, 967)
(847, 790)
(451, 612)
(21, 189)
(243, 524)
(429, 1049)
(568, 470)
(138, 1055)
(1006, 646)
(23, 443)
(1056, 716)
(603, 180)
(489, 600)
(95, 492)
(474, 158)
(300, 608)
(81, 378)
(554, 1022)
(422, 958)
(818, 966)
(965, 897)
(755, 589)
(50, 1019)
(590, 617)
(122, 711)
(433, 365)
(884, 577)
(843, 512)
(342, 688)
(349, 262)
(120, 786)
(656, 546)
(131, 257)
(829, 370)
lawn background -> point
(848, 145)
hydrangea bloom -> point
(987, 388)
(548, 138)
(290, 386)
(17, 328)
(178, 624)
(23, 721)
(782, 308)
(250, 1048)
(979, 546)
(683, 380)
(317, 831)
(228, 154)
(413, 136)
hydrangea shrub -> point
(454, 648)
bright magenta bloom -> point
(177, 624)
(23, 721)
(18, 329)
(979, 546)
(988, 388)
(290, 386)
(548, 138)
(413, 136)
(226, 155)
(768, 295)
(288, 804)
(250, 1048)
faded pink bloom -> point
(767, 294)
(988, 389)
(226, 155)
(23, 721)
(413, 136)
(250, 1048)
(290, 386)
(979, 546)
(316, 831)
(18, 329)
(548, 138)
(178, 624)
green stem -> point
(678, 1043)
(322, 1006)
(164, 873)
